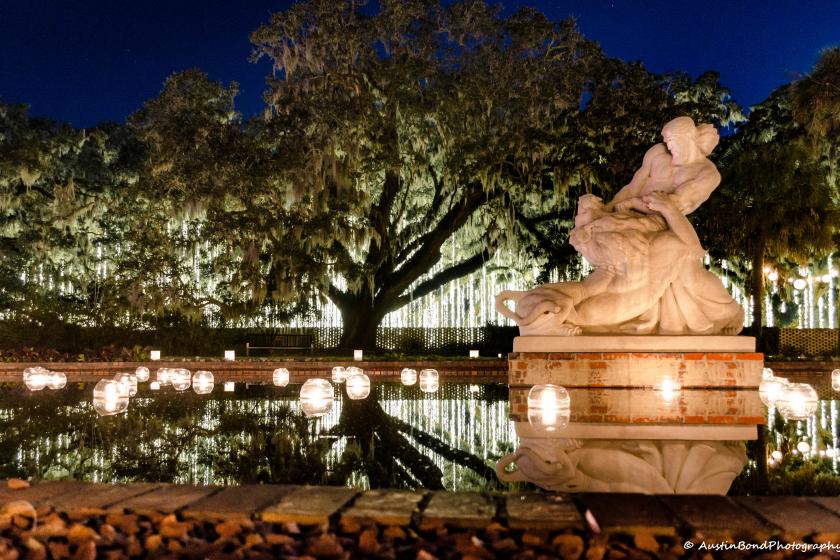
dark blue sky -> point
(90, 61)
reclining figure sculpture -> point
(648, 277)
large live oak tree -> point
(414, 126)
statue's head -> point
(688, 142)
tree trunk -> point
(360, 320)
(757, 282)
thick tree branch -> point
(461, 269)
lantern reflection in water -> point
(429, 380)
(280, 377)
(358, 386)
(797, 401)
(549, 407)
(203, 382)
(142, 374)
(316, 397)
(835, 380)
(339, 374)
(110, 397)
(408, 376)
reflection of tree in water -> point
(183, 437)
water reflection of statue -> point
(648, 276)
(645, 466)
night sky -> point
(91, 61)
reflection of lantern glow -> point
(57, 380)
(229, 387)
(770, 389)
(203, 382)
(766, 373)
(180, 379)
(36, 378)
(358, 386)
(154, 355)
(549, 407)
(280, 377)
(339, 374)
(429, 380)
(110, 397)
(408, 376)
(777, 455)
(142, 374)
(129, 381)
(154, 386)
(835, 380)
(316, 397)
(352, 370)
(797, 401)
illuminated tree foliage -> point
(411, 127)
(774, 202)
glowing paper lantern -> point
(154, 386)
(142, 374)
(129, 380)
(57, 380)
(357, 355)
(549, 407)
(358, 386)
(203, 382)
(230, 355)
(339, 374)
(408, 376)
(473, 353)
(180, 379)
(352, 370)
(766, 373)
(280, 377)
(154, 355)
(776, 455)
(835, 380)
(799, 284)
(164, 376)
(36, 378)
(803, 447)
(110, 397)
(316, 397)
(797, 401)
(429, 380)
(770, 389)
(230, 387)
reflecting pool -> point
(460, 437)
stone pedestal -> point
(636, 361)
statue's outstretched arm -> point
(632, 189)
(677, 222)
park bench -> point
(284, 341)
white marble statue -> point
(643, 466)
(648, 276)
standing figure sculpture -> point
(648, 276)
